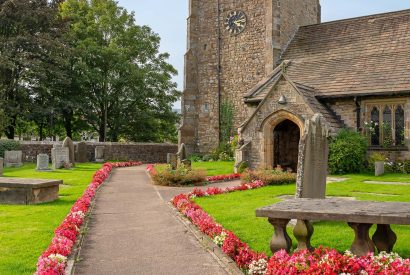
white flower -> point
(60, 258)
(258, 267)
(219, 239)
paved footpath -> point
(133, 231)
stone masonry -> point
(222, 67)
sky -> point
(168, 19)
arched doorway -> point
(286, 136)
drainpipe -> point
(358, 111)
(219, 68)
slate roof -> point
(358, 56)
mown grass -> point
(26, 231)
(236, 212)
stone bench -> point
(28, 191)
(360, 216)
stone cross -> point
(99, 153)
(68, 143)
(172, 160)
(13, 158)
(1, 167)
(60, 156)
(313, 158)
(81, 152)
(42, 162)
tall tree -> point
(27, 38)
(126, 84)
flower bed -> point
(181, 177)
(320, 261)
(54, 259)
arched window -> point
(386, 128)
(399, 130)
(375, 121)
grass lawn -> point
(236, 212)
(26, 231)
(213, 168)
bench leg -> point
(280, 239)
(362, 244)
(384, 238)
(303, 231)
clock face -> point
(235, 22)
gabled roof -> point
(261, 92)
(359, 56)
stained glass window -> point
(374, 116)
(399, 120)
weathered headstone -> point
(181, 155)
(313, 158)
(60, 157)
(13, 158)
(68, 143)
(1, 166)
(172, 160)
(42, 162)
(81, 152)
(99, 153)
(378, 168)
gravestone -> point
(1, 167)
(181, 155)
(99, 153)
(42, 162)
(60, 157)
(81, 152)
(13, 158)
(313, 158)
(172, 160)
(68, 143)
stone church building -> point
(278, 66)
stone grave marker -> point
(68, 143)
(42, 162)
(99, 153)
(81, 152)
(13, 158)
(379, 168)
(60, 157)
(313, 158)
(181, 155)
(172, 160)
(1, 166)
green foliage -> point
(347, 152)
(242, 167)
(8, 145)
(270, 177)
(374, 157)
(178, 177)
(226, 121)
(223, 152)
(195, 157)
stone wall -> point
(245, 59)
(346, 110)
(259, 129)
(145, 152)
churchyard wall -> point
(145, 152)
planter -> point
(378, 168)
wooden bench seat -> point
(360, 216)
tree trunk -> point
(68, 118)
(11, 128)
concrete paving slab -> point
(133, 231)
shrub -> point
(347, 152)
(242, 167)
(8, 145)
(179, 177)
(375, 157)
(195, 158)
(269, 177)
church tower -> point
(231, 46)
